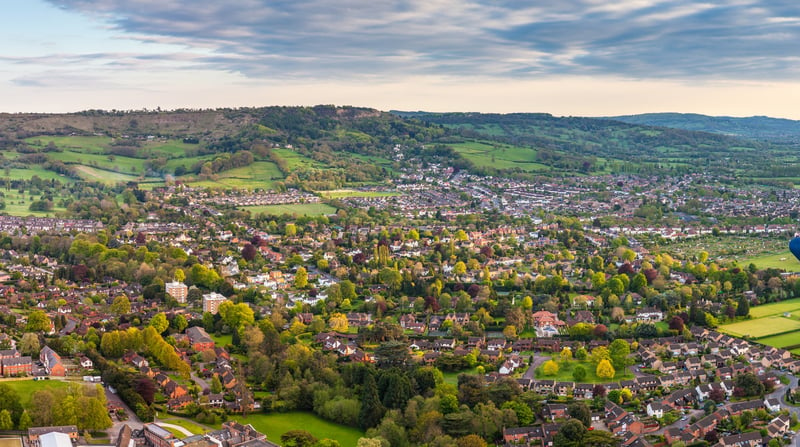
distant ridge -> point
(754, 127)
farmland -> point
(499, 156)
(775, 308)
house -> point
(657, 409)
(199, 339)
(772, 404)
(555, 411)
(778, 426)
(649, 314)
(750, 439)
(52, 362)
(86, 362)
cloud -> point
(319, 39)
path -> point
(778, 394)
(176, 427)
(537, 361)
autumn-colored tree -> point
(605, 370)
(550, 368)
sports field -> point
(775, 308)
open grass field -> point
(499, 156)
(565, 375)
(783, 260)
(781, 341)
(761, 327)
(340, 193)
(300, 209)
(91, 174)
(26, 387)
(295, 160)
(259, 175)
(452, 377)
(96, 144)
(275, 424)
(222, 340)
(775, 308)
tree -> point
(471, 441)
(338, 322)
(618, 351)
(570, 434)
(298, 438)
(371, 408)
(290, 230)
(600, 438)
(301, 278)
(236, 316)
(579, 374)
(121, 305)
(605, 370)
(38, 321)
(180, 275)
(179, 323)
(676, 324)
(600, 353)
(550, 368)
(93, 414)
(459, 269)
(216, 384)
(510, 332)
(5, 420)
(159, 322)
(249, 252)
(743, 308)
(29, 344)
(25, 421)
(581, 412)
(566, 355)
(748, 385)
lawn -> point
(192, 426)
(26, 387)
(275, 424)
(780, 341)
(784, 260)
(565, 375)
(761, 327)
(452, 377)
(775, 308)
(222, 340)
(301, 209)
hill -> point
(754, 127)
(596, 145)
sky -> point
(565, 57)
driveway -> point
(537, 361)
(778, 394)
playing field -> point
(300, 209)
(761, 327)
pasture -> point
(781, 341)
(761, 327)
(295, 160)
(775, 308)
(299, 209)
(275, 424)
(499, 156)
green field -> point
(222, 340)
(452, 377)
(259, 175)
(94, 144)
(26, 387)
(340, 193)
(192, 426)
(499, 156)
(783, 260)
(761, 327)
(565, 375)
(295, 160)
(300, 209)
(775, 308)
(781, 341)
(275, 424)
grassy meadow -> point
(300, 209)
(761, 327)
(499, 156)
(275, 424)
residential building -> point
(211, 302)
(177, 290)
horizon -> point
(576, 58)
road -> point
(537, 360)
(778, 394)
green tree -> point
(743, 307)
(371, 408)
(581, 412)
(216, 384)
(159, 322)
(236, 316)
(301, 278)
(5, 420)
(29, 344)
(25, 421)
(9, 400)
(298, 438)
(290, 230)
(570, 434)
(579, 374)
(179, 323)
(618, 351)
(38, 321)
(121, 305)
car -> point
(684, 418)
